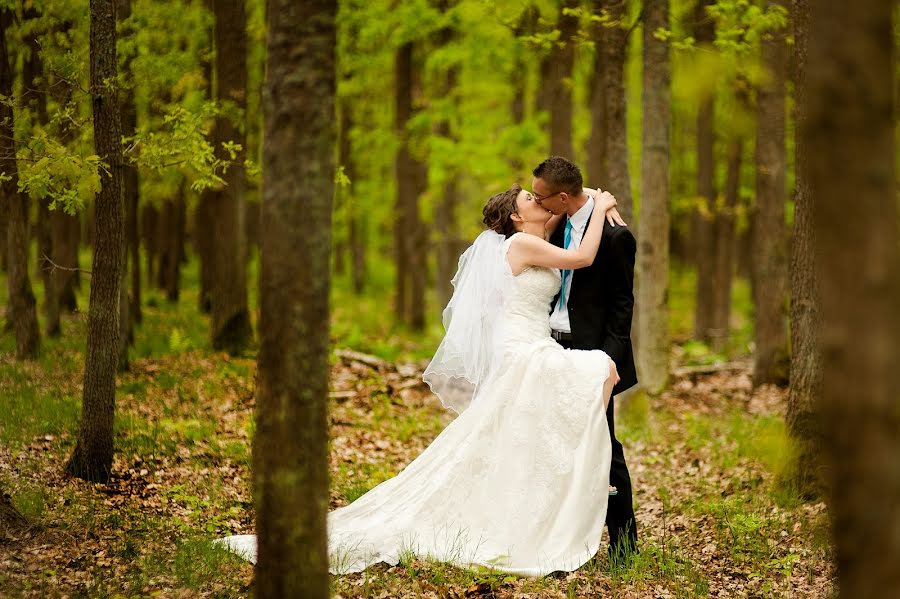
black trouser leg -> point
(620, 511)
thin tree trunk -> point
(35, 97)
(705, 215)
(409, 305)
(614, 44)
(149, 222)
(726, 245)
(130, 183)
(806, 321)
(850, 156)
(164, 225)
(290, 450)
(66, 228)
(562, 60)
(175, 240)
(445, 211)
(202, 214)
(771, 361)
(653, 251)
(66, 238)
(92, 457)
(231, 328)
(22, 312)
(597, 170)
(355, 220)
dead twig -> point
(54, 266)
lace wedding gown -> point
(519, 482)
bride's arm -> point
(531, 250)
(612, 215)
(551, 225)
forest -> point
(230, 229)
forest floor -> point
(707, 460)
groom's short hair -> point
(560, 174)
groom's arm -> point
(617, 334)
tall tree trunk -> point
(290, 454)
(22, 312)
(35, 97)
(562, 60)
(653, 251)
(149, 222)
(850, 157)
(130, 184)
(231, 328)
(614, 44)
(411, 174)
(92, 458)
(66, 238)
(770, 364)
(202, 214)
(65, 228)
(705, 215)
(725, 243)
(445, 211)
(597, 170)
(176, 243)
(355, 221)
(806, 321)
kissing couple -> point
(537, 344)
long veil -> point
(465, 356)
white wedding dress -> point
(519, 482)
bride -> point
(518, 482)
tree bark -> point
(559, 84)
(290, 445)
(597, 170)
(410, 250)
(705, 215)
(92, 458)
(231, 328)
(22, 304)
(770, 364)
(202, 214)
(653, 250)
(806, 320)
(725, 243)
(614, 44)
(35, 97)
(130, 183)
(149, 222)
(445, 211)
(850, 156)
(66, 239)
(65, 228)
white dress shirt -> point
(559, 319)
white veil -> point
(464, 358)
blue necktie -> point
(565, 273)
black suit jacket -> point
(601, 302)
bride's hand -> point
(614, 218)
(612, 214)
(605, 201)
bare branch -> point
(54, 266)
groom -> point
(594, 311)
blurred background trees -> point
(687, 110)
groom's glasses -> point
(540, 199)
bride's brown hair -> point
(499, 210)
